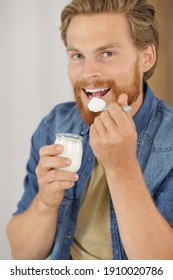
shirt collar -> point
(145, 113)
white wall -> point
(32, 80)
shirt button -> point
(90, 158)
(76, 197)
(67, 236)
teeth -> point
(95, 90)
(91, 97)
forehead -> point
(98, 28)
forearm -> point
(144, 232)
(31, 234)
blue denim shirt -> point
(154, 124)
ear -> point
(148, 58)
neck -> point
(137, 104)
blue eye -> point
(107, 54)
(77, 56)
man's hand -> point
(113, 136)
(53, 182)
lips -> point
(96, 92)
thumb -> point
(123, 99)
(123, 102)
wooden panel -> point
(169, 51)
(158, 81)
(162, 80)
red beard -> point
(132, 90)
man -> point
(120, 204)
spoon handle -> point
(124, 108)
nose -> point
(91, 69)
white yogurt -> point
(72, 144)
(97, 105)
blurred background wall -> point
(33, 79)
(162, 81)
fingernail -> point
(58, 148)
(67, 162)
(127, 108)
(76, 177)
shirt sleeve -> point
(164, 198)
(62, 117)
(39, 139)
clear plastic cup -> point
(72, 144)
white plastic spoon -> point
(98, 105)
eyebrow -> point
(97, 49)
(71, 49)
(107, 47)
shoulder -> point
(162, 126)
(61, 111)
(62, 118)
(164, 109)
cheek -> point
(73, 72)
(70, 72)
(122, 69)
(116, 70)
(122, 75)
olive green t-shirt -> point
(92, 240)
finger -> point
(93, 131)
(51, 150)
(59, 186)
(63, 185)
(107, 121)
(47, 163)
(120, 111)
(123, 102)
(93, 136)
(57, 175)
(118, 116)
(99, 125)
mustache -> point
(96, 83)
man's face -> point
(103, 61)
